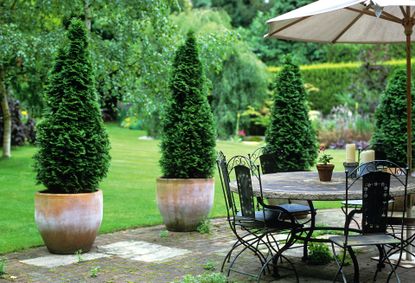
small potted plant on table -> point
(73, 152)
(185, 192)
(324, 168)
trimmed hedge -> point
(334, 80)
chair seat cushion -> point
(272, 220)
(295, 207)
(365, 240)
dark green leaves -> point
(290, 134)
(73, 151)
(188, 138)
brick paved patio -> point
(148, 255)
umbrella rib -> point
(403, 11)
(369, 13)
(287, 26)
(349, 26)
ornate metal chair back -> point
(375, 196)
(246, 194)
(245, 171)
(225, 180)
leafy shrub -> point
(319, 254)
(188, 139)
(390, 135)
(290, 132)
(204, 227)
(73, 151)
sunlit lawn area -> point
(129, 189)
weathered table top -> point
(305, 185)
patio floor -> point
(148, 255)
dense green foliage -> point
(242, 83)
(290, 133)
(333, 84)
(390, 133)
(73, 145)
(188, 138)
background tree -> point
(390, 134)
(73, 151)
(188, 139)
(290, 133)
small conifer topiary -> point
(390, 134)
(188, 138)
(73, 153)
(290, 133)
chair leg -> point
(356, 275)
(340, 265)
(393, 266)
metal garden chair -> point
(252, 222)
(355, 204)
(375, 185)
(268, 162)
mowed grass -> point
(129, 189)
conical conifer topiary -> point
(73, 154)
(390, 135)
(290, 133)
(188, 139)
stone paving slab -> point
(142, 251)
(204, 250)
(51, 261)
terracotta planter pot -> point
(325, 171)
(184, 203)
(68, 222)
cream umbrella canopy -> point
(353, 21)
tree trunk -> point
(87, 14)
(7, 122)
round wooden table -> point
(305, 185)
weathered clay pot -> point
(325, 171)
(184, 203)
(68, 222)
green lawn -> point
(129, 189)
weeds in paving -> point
(205, 278)
(3, 263)
(319, 254)
(209, 265)
(164, 234)
(204, 227)
(78, 255)
(94, 271)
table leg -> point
(310, 232)
(409, 205)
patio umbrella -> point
(353, 21)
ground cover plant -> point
(129, 189)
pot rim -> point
(329, 165)
(44, 193)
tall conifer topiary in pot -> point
(290, 133)
(73, 155)
(185, 192)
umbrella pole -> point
(408, 32)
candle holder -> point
(350, 168)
